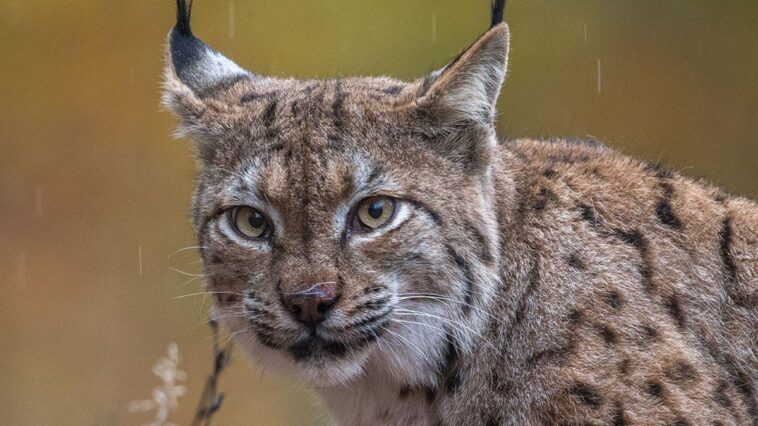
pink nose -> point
(311, 306)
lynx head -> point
(344, 224)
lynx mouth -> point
(315, 347)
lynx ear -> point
(193, 71)
(465, 91)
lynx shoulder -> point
(373, 238)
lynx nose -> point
(311, 306)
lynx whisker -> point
(207, 293)
(403, 338)
(189, 274)
(309, 289)
(432, 296)
(185, 249)
(403, 311)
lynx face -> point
(344, 224)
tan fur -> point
(522, 282)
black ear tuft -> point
(193, 62)
(183, 14)
(498, 9)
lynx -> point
(375, 239)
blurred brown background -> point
(94, 192)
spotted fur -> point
(519, 281)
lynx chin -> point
(374, 238)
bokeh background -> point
(95, 241)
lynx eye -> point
(249, 222)
(374, 212)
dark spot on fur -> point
(586, 394)
(624, 366)
(251, 97)
(681, 421)
(450, 371)
(276, 147)
(617, 417)
(655, 389)
(675, 310)
(742, 383)
(666, 215)
(384, 415)
(499, 385)
(257, 96)
(534, 281)
(725, 241)
(269, 114)
(493, 420)
(405, 390)
(664, 211)
(558, 354)
(730, 267)
(681, 372)
(613, 298)
(394, 90)
(608, 335)
(650, 332)
(633, 238)
(588, 213)
(431, 394)
(339, 98)
(575, 316)
(576, 262)
(542, 198)
(638, 241)
(720, 395)
(549, 173)
(295, 107)
(215, 259)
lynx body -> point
(375, 239)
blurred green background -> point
(94, 192)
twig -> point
(211, 399)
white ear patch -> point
(197, 65)
(215, 67)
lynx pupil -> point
(256, 220)
(376, 209)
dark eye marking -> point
(429, 211)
